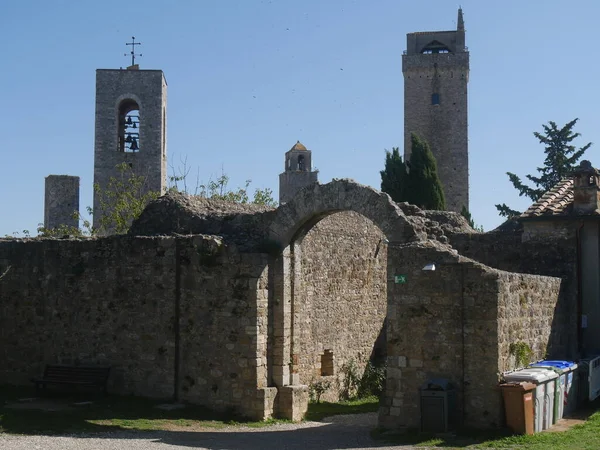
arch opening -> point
(317, 281)
(337, 276)
(129, 127)
(435, 47)
(301, 163)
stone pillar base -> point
(293, 402)
(263, 406)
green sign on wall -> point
(399, 279)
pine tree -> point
(561, 159)
(424, 186)
(393, 176)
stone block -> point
(293, 402)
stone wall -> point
(245, 225)
(223, 295)
(500, 250)
(340, 300)
(457, 322)
(528, 252)
(504, 312)
(116, 301)
(220, 321)
(526, 313)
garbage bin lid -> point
(537, 376)
(555, 363)
(548, 371)
(522, 385)
(559, 370)
(437, 384)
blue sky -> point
(247, 78)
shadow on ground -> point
(197, 427)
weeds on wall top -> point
(126, 196)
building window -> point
(327, 363)
(129, 127)
(435, 99)
(301, 163)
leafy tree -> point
(424, 186)
(122, 201)
(561, 159)
(393, 176)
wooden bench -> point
(74, 376)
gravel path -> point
(339, 432)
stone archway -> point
(316, 201)
(291, 223)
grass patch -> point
(318, 411)
(108, 413)
(580, 437)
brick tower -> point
(436, 72)
(298, 172)
(131, 119)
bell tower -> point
(131, 128)
(436, 72)
(298, 172)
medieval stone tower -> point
(61, 202)
(298, 172)
(131, 127)
(436, 72)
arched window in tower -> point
(129, 127)
(435, 47)
(301, 163)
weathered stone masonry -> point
(117, 92)
(116, 300)
(61, 201)
(435, 66)
(341, 298)
(239, 320)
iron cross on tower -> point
(133, 44)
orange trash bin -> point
(518, 405)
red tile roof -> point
(558, 201)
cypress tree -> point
(393, 176)
(425, 189)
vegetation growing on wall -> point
(521, 352)
(218, 189)
(352, 385)
(317, 388)
(125, 197)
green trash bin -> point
(438, 405)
